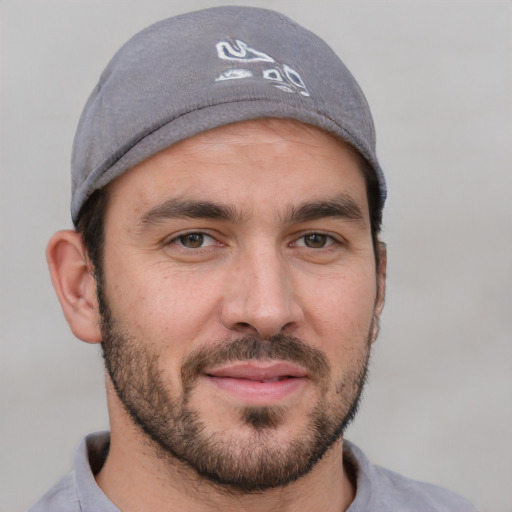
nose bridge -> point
(261, 296)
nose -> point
(261, 298)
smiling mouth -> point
(263, 371)
(265, 381)
(258, 383)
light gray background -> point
(438, 75)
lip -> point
(258, 370)
(258, 382)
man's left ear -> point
(74, 284)
(381, 287)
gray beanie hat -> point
(205, 69)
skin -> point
(261, 273)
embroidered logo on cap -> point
(281, 76)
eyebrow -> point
(342, 207)
(176, 208)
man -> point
(227, 201)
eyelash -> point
(178, 240)
(329, 240)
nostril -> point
(244, 328)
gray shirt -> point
(378, 489)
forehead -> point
(258, 162)
(266, 131)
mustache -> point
(279, 347)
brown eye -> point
(192, 240)
(315, 240)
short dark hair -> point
(91, 226)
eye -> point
(314, 241)
(194, 240)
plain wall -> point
(438, 76)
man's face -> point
(240, 299)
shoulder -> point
(382, 490)
(78, 491)
(62, 497)
(417, 496)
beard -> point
(250, 457)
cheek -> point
(167, 308)
(341, 308)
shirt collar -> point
(89, 459)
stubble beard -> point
(248, 461)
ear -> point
(74, 283)
(381, 287)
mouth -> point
(258, 383)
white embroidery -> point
(272, 74)
(294, 77)
(284, 88)
(228, 51)
(281, 76)
(233, 74)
